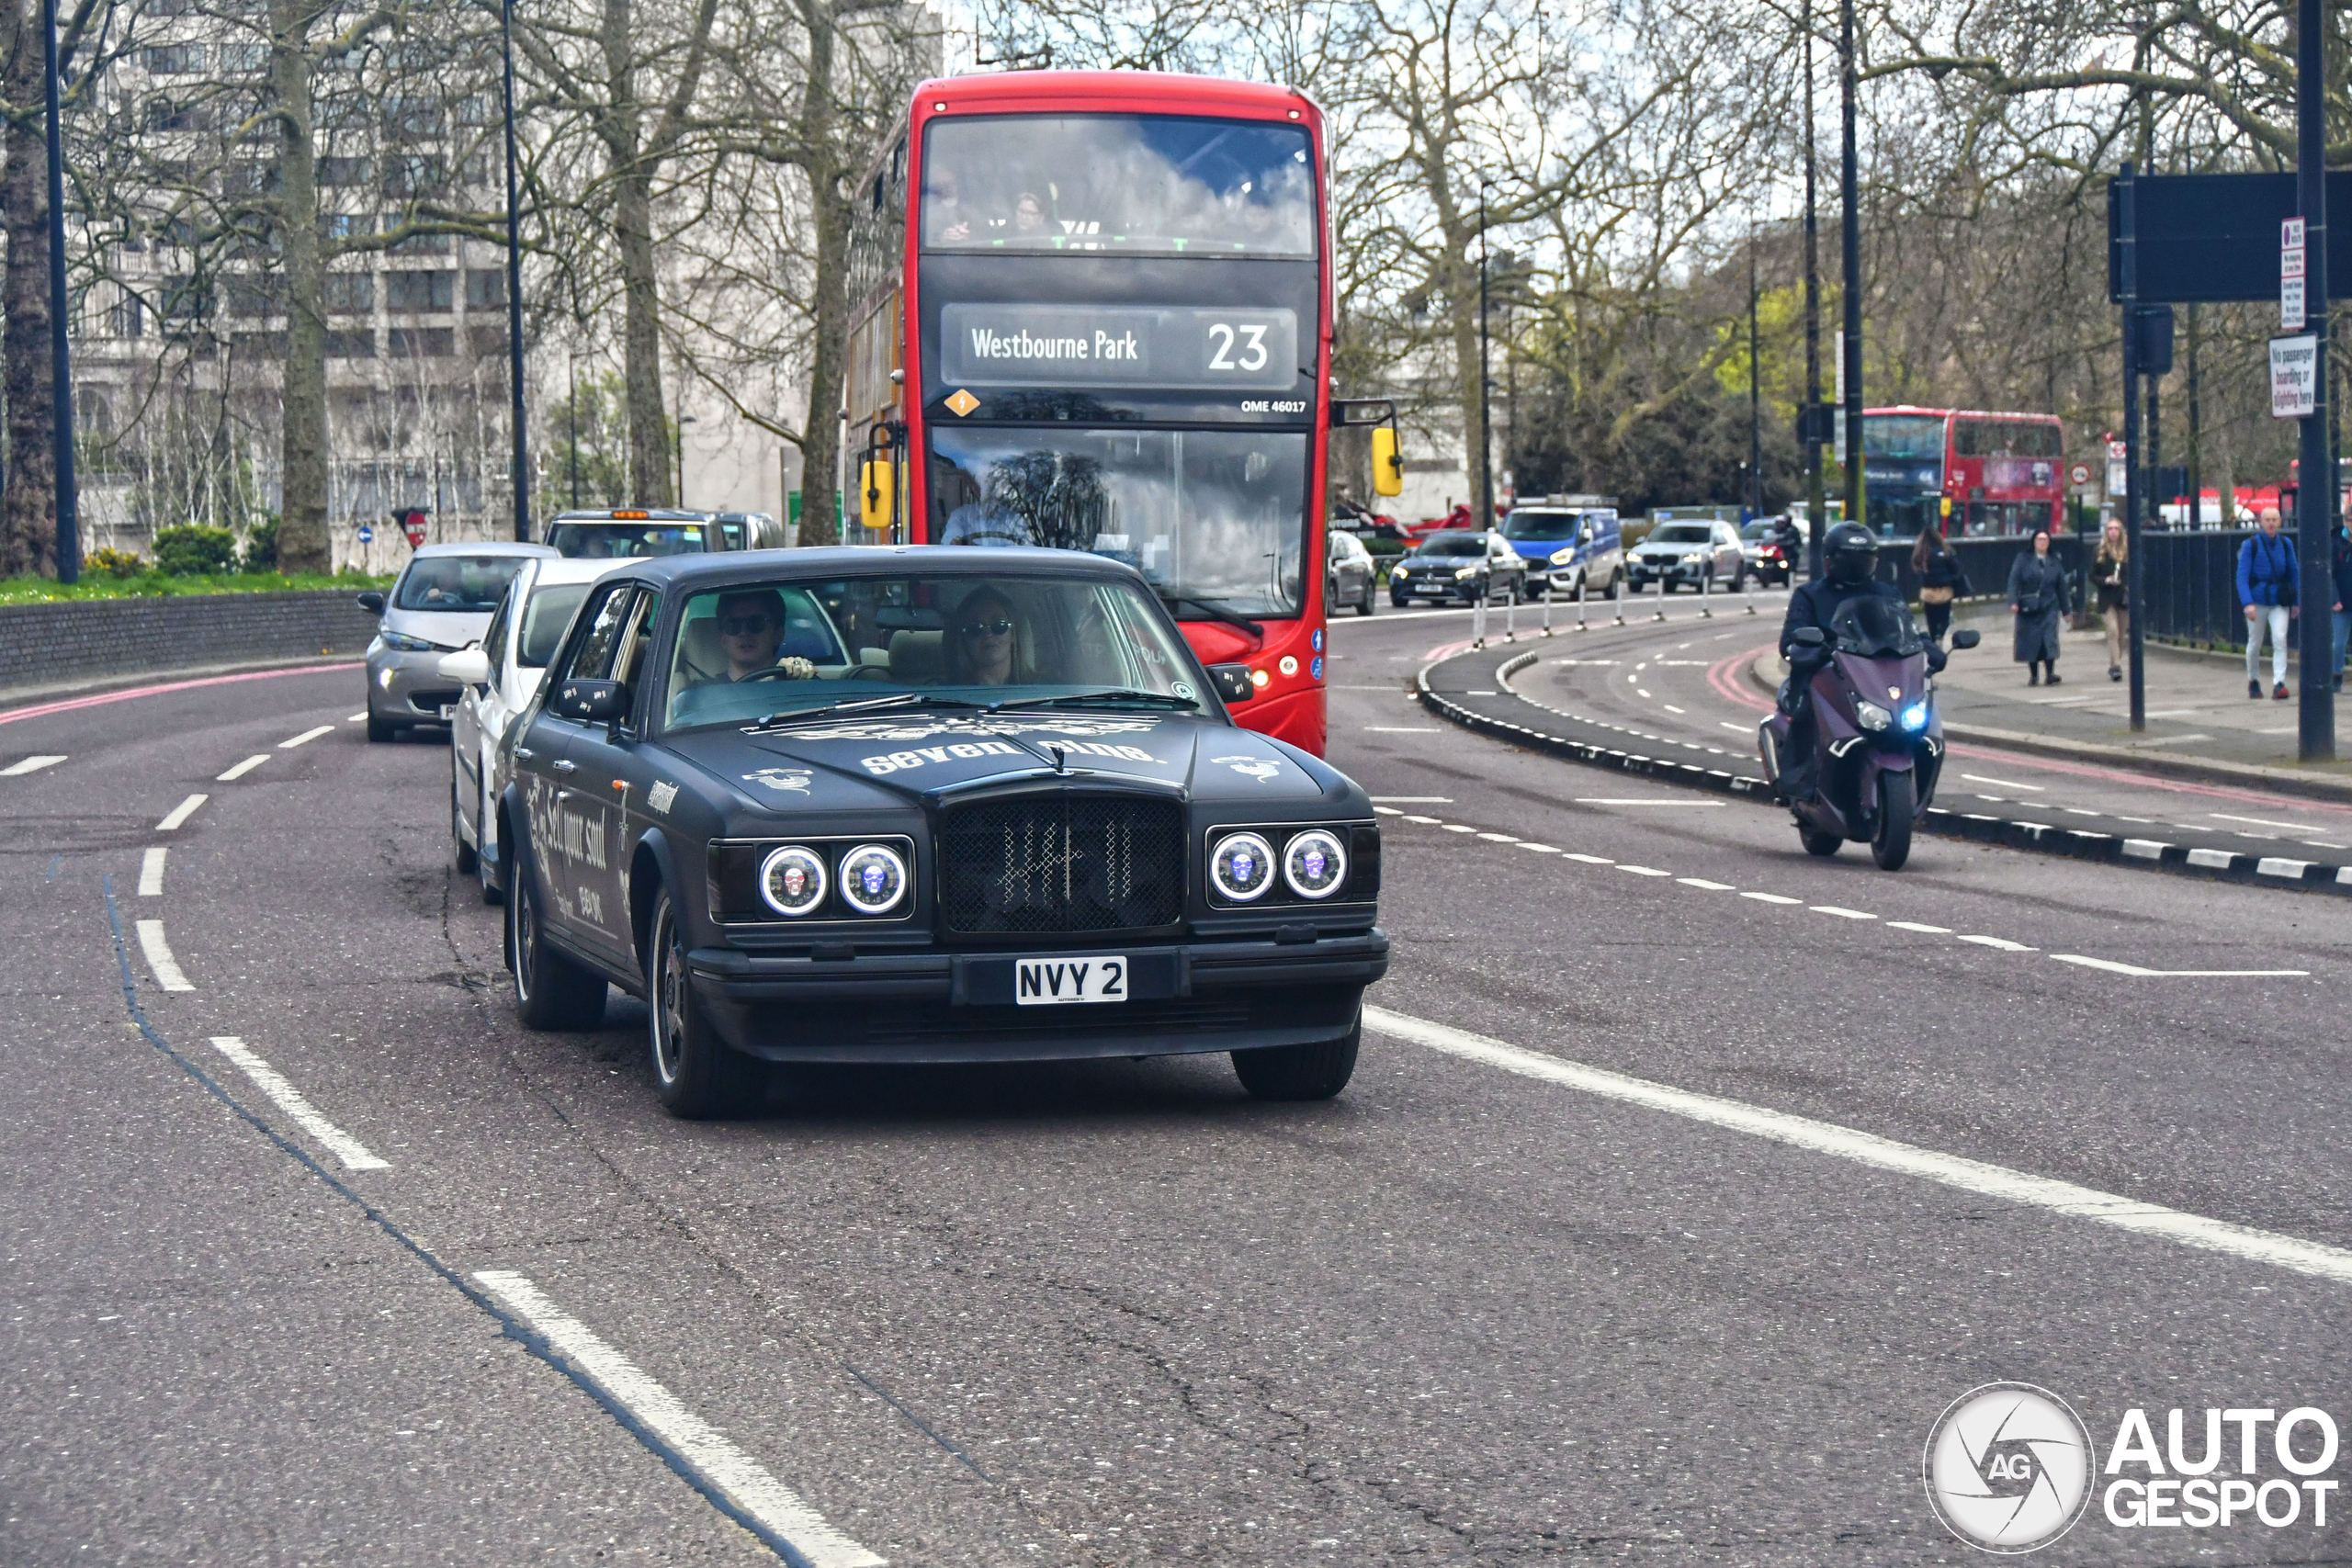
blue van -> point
(1566, 546)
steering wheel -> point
(793, 669)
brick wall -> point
(47, 644)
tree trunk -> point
(821, 435)
(303, 543)
(648, 430)
(28, 502)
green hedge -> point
(155, 584)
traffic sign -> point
(2080, 473)
(366, 535)
(2294, 376)
(412, 524)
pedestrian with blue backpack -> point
(2266, 580)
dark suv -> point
(1459, 565)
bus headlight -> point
(792, 880)
(874, 879)
(1313, 864)
(1241, 865)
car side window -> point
(493, 641)
(630, 668)
(593, 657)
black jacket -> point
(2340, 563)
(1815, 603)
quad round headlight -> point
(1242, 867)
(874, 879)
(1313, 864)
(792, 880)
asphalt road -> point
(1486, 1306)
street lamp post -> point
(572, 361)
(1485, 421)
(2315, 501)
(514, 292)
(1755, 396)
(1852, 347)
(61, 360)
(1816, 504)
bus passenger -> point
(945, 205)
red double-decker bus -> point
(1094, 311)
(2003, 473)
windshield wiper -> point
(1216, 611)
(863, 704)
(1125, 694)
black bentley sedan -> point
(926, 804)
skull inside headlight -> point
(792, 880)
(1313, 864)
(1242, 867)
(874, 879)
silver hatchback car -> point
(440, 604)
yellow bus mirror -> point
(1388, 466)
(877, 494)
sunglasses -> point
(743, 626)
(987, 628)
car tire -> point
(469, 862)
(491, 892)
(380, 730)
(697, 1074)
(1398, 601)
(550, 990)
(1365, 606)
(1314, 1071)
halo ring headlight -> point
(792, 880)
(1241, 866)
(1314, 864)
(874, 879)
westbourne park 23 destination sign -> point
(1062, 346)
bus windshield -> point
(1142, 184)
(1907, 438)
(1216, 517)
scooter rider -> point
(1849, 567)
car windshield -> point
(1165, 184)
(1210, 516)
(756, 650)
(1473, 545)
(1877, 626)
(1763, 530)
(545, 615)
(628, 540)
(464, 585)
(1681, 534)
(1544, 525)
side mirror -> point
(1813, 636)
(468, 667)
(877, 497)
(1233, 681)
(372, 602)
(1965, 637)
(1387, 462)
(591, 702)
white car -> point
(499, 676)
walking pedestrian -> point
(2111, 575)
(2037, 595)
(1940, 580)
(2267, 577)
(2340, 570)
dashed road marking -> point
(151, 874)
(742, 1479)
(300, 1112)
(1499, 837)
(2064, 1198)
(1415, 799)
(159, 957)
(1645, 871)
(1539, 849)
(2002, 943)
(1607, 800)
(1591, 860)
(1842, 913)
(1427, 822)
(1459, 827)
(1770, 898)
(1702, 883)
(1915, 926)
(306, 736)
(241, 769)
(2266, 822)
(2112, 967)
(356, 718)
(19, 768)
(1401, 729)
(180, 813)
(2003, 783)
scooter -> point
(1878, 739)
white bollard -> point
(1547, 606)
(1623, 594)
(1478, 622)
(1661, 597)
(1747, 580)
(1511, 613)
(1580, 587)
(1706, 589)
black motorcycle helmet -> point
(1849, 554)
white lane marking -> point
(241, 769)
(1645, 871)
(2323, 844)
(1606, 800)
(1591, 860)
(1539, 849)
(1386, 812)
(151, 874)
(1426, 821)
(1639, 692)
(1842, 914)
(2064, 1198)
(1499, 837)
(2137, 973)
(744, 1479)
(1915, 926)
(300, 1112)
(2266, 822)
(2004, 783)
(356, 718)
(1458, 828)
(1726, 724)
(2003, 943)
(1401, 729)
(1994, 799)
(29, 765)
(307, 735)
(1770, 898)
(1703, 882)
(159, 957)
(1416, 799)
(1669, 707)
(180, 813)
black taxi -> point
(926, 804)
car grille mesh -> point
(1062, 863)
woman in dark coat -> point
(2038, 594)
(1939, 579)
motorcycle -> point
(1875, 759)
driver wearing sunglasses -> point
(985, 640)
(751, 629)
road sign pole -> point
(2316, 504)
(2135, 570)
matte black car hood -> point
(868, 761)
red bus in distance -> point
(1092, 310)
(2003, 473)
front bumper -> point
(1644, 568)
(1435, 588)
(934, 1007)
(407, 688)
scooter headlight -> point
(1872, 716)
(1915, 718)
